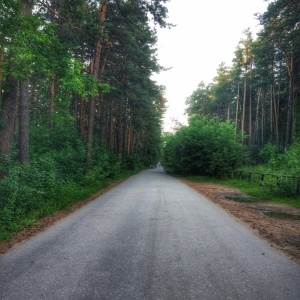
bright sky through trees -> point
(206, 34)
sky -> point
(206, 34)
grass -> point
(249, 188)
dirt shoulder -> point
(282, 234)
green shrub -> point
(205, 147)
(268, 152)
(132, 162)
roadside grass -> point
(249, 188)
(69, 194)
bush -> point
(285, 162)
(268, 152)
(205, 147)
(132, 162)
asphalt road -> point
(151, 237)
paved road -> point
(151, 237)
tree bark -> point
(271, 113)
(120, 130)
(276, 117)
(24, 122)
(289, 106)
(244, 103)
(82, 119)
(255, 134)
(101, 110)
(250, 110)
(262, 124)
(237, 111)
(1, 70)
(26, 10)
(95, 65)
(8, 114)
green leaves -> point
(205, 147)
(76, 81)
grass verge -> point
(67, 196)
(250, 188)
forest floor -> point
(284, 235)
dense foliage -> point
(260, 91)
(204, 147)
(77, 102)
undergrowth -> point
(250, 188)
(14, 217)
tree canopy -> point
(260, 91)
(84, 63)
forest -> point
(250, 113)
(78, 106)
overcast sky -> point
(206, 34)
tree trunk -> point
(289, 107)
(95, 64)
(125, 132)
(1, 70)
(271, 113)
(120, 131)
(129, 130)
(111, 127)
(101, 112)
(8, 114)
(263, 117)
(82, 118)
(24, 122)
(244, 103)
(250, 110)
(276, 117)
(255, 133)
(237, 111)
(26, 10)
(294, 119)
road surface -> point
(151, 237)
